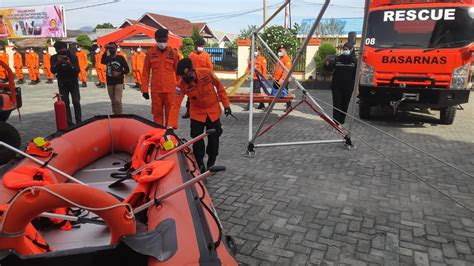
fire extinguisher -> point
(60, 112)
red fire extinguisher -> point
(60, 112)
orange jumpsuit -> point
(47, 66)
(100, 68)
(260, 66)
(280, 74)
(3, 72)
(201, 60)
(30, 64)
(138, 60)
(82, 60)
(18, 65)
(163, 66)
(37, 65)
(204, 101)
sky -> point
(226, 16)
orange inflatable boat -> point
(114, 190)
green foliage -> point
(188, 46)
(325, 49)
(3, 42)
(246, 33)
(214, 45)
(275, 36)
(232, 45)
(106, 25)
(196, 35)
(84, 40)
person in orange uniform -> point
(18, 65)
(261, 67)
(138, 60)
(162, 61)
(83, 62)
(200, 86)
(30, 64)
(280, 74)
(4, 58)
(36, 65)
(47, 66)
(99, 67)
(200, 59)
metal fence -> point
(223, 59)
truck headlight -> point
(460, 77)
(367, 73)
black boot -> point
(136, 86)
(37, 81)
(261, 106)
(84, 84)
(50, 81)
(21, 81)
(211, 161)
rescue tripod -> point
(307, 98)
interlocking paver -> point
(324, 204)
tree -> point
(3, 42)
(276, 36)
(325, 49)
(188, 46)
(84, 40)
(246, 33)
(106, 25)
(196, 35)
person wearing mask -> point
(200, 86)
(47, 66)
(162, 61)
(261, 67)
(4, 58)
(30, 64)
(116, 68)
(99, 68)
(280, 73)
(343, 79)
(36, 65)
(83, 62)
(138, 59)
(200, 59)
(66, 68)
(18, 65)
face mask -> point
(281, 54)
(139, 49)
(78, 49)
(188, 79)
(162, 45)
(44, 52)
(200, 49)
(118, 49)
(256, 54)
(346, 52)
(97, 51)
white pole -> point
(252, 73)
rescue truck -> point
(418, 56)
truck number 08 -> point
(370, 41)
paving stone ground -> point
(326, 205)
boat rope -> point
(33, 190)
(112, 151)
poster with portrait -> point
(30, 22)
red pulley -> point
(60, 112)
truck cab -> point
(418, 55)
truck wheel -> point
(5, 115)
(447, 115)
(9, 135)
(364, 110)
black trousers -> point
(71, 87)
(341, 97)
(212, 150)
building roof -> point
(178, 26)
(350, 24)
(128, 22)
(30, 42)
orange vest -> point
(138, 60)
(162, 65)
(260, 66)
(280, 73)
(29, 60)
(47, 60)
(201, 60)
(17, 60)
(202, 96)
(82, 59)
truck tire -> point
(447, 115)
(9, 135)
(364, 110)
(4, 115)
